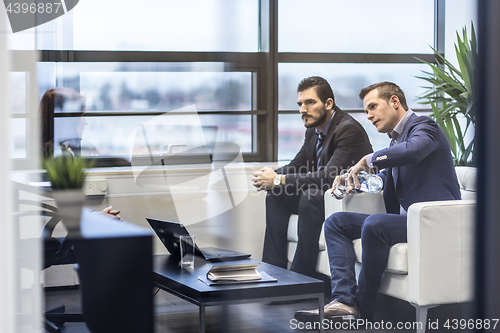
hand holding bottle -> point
(369, 183)
(362, 165)
(341, 185)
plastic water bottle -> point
(342, 185)
(370, 183)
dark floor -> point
(242, 229)
(176, 315)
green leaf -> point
(448, 130)
(449, 89)
(65, 172)
(460, 138)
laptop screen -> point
(169, 233)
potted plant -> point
(67, 175)
(451, 95)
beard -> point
(316, 121)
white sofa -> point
(436, 265)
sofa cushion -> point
(467, 181)
(398, 257)
(292, 228)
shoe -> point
(334, 310)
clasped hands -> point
(263, 179)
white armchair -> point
(436, 266)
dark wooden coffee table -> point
(184, 283)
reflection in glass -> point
(109, 136)
(356, 26)
(152, 86)
(142, 91)
(68, 137)
(149, 87)
(347, 80)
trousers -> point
(310, 207)
(378, 233)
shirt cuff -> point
(369, 160)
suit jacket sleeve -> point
(420, 166)
(347, 145)
(421, 141)
(383, 174)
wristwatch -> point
(277, 180)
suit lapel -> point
(393, 171)
(404, 135)
(402, 139)
(311, 146)
(331, 130)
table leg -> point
(202, 318)
(321, 303)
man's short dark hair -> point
(386, 90)
(323, 89)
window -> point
(153, 25)
(167, 25)
(348, 79)
(356, 26)
(119, 97)
(213, 57)
(19, 121)
(351, 44)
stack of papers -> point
(244, 272)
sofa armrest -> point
(441, 252)
(358, 202)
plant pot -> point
(70, 203)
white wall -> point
(20, 255)
(6, 236)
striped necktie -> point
(319, 148)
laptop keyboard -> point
(213, 255)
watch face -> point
(277, 180)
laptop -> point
(169, 233)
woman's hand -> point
(111, 213)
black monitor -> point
(115, 268)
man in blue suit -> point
(417, 167)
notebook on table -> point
(169, 233)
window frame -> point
(264, 68)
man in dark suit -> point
(417, 167)
(333, 141)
